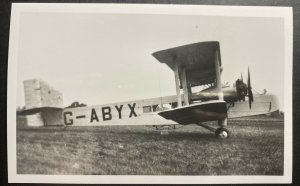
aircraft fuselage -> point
(211, 93)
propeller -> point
(250, 94)
(244, 89)
(242, 77)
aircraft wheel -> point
(222, 133)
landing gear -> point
(222, 133)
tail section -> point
(39, 94)
(43, 104)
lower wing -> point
(198, 112)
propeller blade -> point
(242, 77)
(250, 103)
(250, 94)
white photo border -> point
(207, 10)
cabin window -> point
(174, 104)
(167, 106)
(155, 108)
(147, 109)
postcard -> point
(135, 94)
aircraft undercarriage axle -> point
(220, 132)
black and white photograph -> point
(132, 93)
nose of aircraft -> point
(244, 89)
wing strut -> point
(177, 81)
(182, 78)
(218, 76)
(223, 122)
(186, 94)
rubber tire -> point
(222, 133)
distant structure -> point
(43, 105)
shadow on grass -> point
(155, 135)
(125, 132)
(41, 129)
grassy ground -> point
(254, 148)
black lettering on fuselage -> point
(94, 116)
(119, 109)
(70, 121)
(132, 112)
(106, 113)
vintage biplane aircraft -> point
(194, 65)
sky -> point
(97, 58)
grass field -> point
(255, 147)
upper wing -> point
(198, 59)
